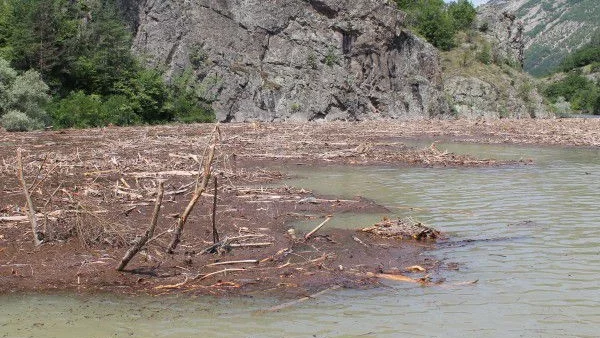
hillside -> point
(575, 87)
(551, 28)
(479, 83)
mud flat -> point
(94, 193)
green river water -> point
(538, 277)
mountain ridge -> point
(551, 29)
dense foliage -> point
(22, 99)
(82, 51)
(581, 91)
(587, 55)
(439, 22)
(582, 94)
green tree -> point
(435, 24)
(187, 106)
(462, 13)
(5, 29)
(567, 87)
(430, 18)
(584, 56)
(104, 48)
(40, 36)
(82, 49)
(596, 108)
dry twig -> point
(37, 236)
(317, 228)
(208, 160)
(149, 233)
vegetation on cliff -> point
(81, 52)
(437, 21)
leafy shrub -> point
(78, 110)
(576, 89)
(25, 94)
(484, 27)
(331, 57)
(485, 55)
(17, 121)
(186, 104)
(117, 110)
(596, 108)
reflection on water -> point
(538, 279)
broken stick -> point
(317, 228)
(149, 233)
(245, 261)
(37, 236)
(200, 188)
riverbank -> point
(97, 188)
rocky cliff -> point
(300, 60)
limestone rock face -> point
(298, 60)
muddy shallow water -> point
(529, 234)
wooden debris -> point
(230, 242)
(224, 271)
(250, 245)
(37, 235)
(145, 174)
(403, 229)
(245, 261)
(415, 268)
(214, 214)
(308, 235)
(200, 188)
(173, 286)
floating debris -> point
(403, 229)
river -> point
(529, 234)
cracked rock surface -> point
(293, 60)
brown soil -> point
(94, 192)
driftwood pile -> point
(403, 229)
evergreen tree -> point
(41, 37)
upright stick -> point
(149, 233)
(200, 189)
(214, 215)
(30, 208)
